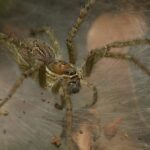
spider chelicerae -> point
(41, 62)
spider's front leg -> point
(96, 54)
(57, 89)
(60, 88)
(71, 35)
(69, 116)
(95, 93)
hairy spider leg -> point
(69, 117)
(62, 102)
(57, 89)
(95, 93)
(61, 88)
(17, 84)
(72, 33)
(13, 44)
(52, 38)
(96, 54)
(130, 58)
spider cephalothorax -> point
(66, 72)
(36, 59)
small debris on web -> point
(4, 131)
(4, 113)
(56, 141)
(24, 112)
(43, 100)
(111, 129)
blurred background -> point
(120, 119)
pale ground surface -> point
(33, 120)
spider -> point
(41, 62)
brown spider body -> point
(32, 52)
(52, 68)
(59, 69)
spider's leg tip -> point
(57, 106)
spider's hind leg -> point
(95, 93)
(96, 54)
(129, 58)
(16, 85)
(50, 33)
(71, 35)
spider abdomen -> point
(37, 51)
(28, 52)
